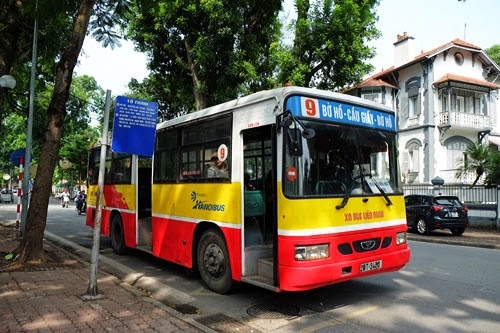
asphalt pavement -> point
(54, 297)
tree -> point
(494, 53)
(86, 97)
(493, 176)
(203, 53)
(67, 26)
(31, 245)
(329, 49)
(476, 161)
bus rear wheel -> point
(213, 262)
(117, 235)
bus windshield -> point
(339, 160)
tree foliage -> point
(493, 169)
(63, 27)
(203, 53)
(477, 161)
(494, 53)
(329, 50)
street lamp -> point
(7, 81)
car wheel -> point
(117, 235)
(422, 227)
(213, 262)
(457, 231)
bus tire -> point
(213, 262)
(117, 235)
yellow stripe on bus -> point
(117, 196)
(306, 214)
(212, 202)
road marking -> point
(339, 320)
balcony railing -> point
(462, 119)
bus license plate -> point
(370, 266)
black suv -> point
(428, 212)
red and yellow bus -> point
(288, 189)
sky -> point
(430, 22)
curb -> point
(162, 295)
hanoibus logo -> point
(203, 205)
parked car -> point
(428, 212)
(6, 196)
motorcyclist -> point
(80, 201)
(65, 198)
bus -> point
(246, 191)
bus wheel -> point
(117, 235)
(213, 262)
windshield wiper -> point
(386, 197)
(348, 191)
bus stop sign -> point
(134, 126)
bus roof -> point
(279, 94)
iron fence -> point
(478, 194)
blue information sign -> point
(134, 126)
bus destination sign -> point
(340, 113)
(134, 126)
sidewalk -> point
(48, 298)
(475, 237)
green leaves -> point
(206, 52)
(329, 49)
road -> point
(445, 288)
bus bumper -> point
(310, 277)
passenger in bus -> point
(248, 185)
(335, 170)
(216, 168)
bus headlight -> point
(312, 252)
(400, 238)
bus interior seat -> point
(254, 209)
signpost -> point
(134, 126)
(134, 129)
(17, 158)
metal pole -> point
(27, 156)
(92, 290)
(19, 193)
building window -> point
(411, 159)
(413, 151)
(413, 106)
(372, 97)
(455, 151)
(413, 91)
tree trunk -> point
(31, 247)
(199, 97)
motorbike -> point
(65, 201)
(81, 206)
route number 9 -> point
(310, 107)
